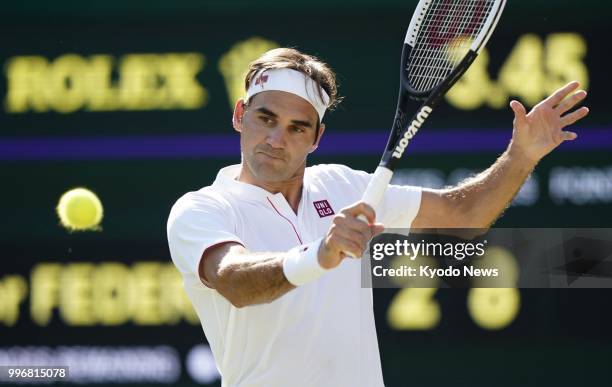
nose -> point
(276, 137)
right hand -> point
(348, 235)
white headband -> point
(290, 81)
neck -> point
(290, 188)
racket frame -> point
(403, 128)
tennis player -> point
(262, 249)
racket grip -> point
(375, 192)
(362, 218)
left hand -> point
(536, 134)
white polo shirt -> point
(319, 334)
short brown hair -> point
(290, 58)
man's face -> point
(278, 130)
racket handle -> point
(362, 218)
(375, 192)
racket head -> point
(443, 38)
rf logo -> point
(261, 80)
(323, 208)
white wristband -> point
(302, 264)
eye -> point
(298, 129)
(265, 119)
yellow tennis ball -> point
(80, 209)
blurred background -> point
(133, 100)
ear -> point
(238, 114)
(320, 134)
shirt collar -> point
(226, 181)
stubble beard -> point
(265, 169)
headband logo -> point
(289, 81)
(261, 80)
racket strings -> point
(444, 38)
(443, 25)
(446, 30)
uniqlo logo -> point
(323, 208)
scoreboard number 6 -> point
(415, 308)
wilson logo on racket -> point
(411, 131)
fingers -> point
(520, 114)
(351, 228)
(560, 94)
(568, 136)
(359, 239)
(361, 208)
(377, 228)
(341, 245)
(349, 235)
(568, 103)
(573, 117)
(356, 225)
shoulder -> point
(337, 173)
(203, 198)
(199, 204)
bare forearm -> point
(478, 202)
(483, 198)
(248, 279)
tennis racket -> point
(443, 39)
